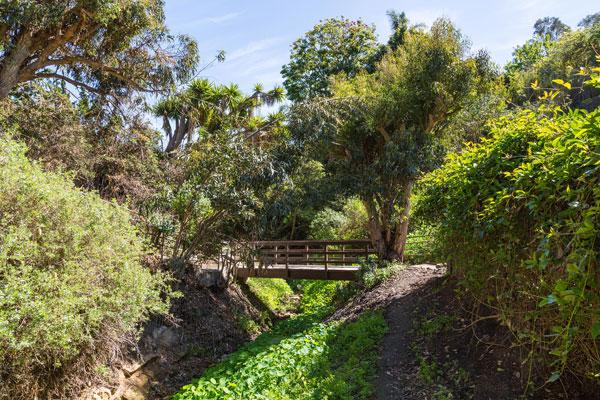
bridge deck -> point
(345, 273)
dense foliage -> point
(541, 60)
(301, 358)
(334, 46)
(321, 361)
(115, 157)
(71, 281)
(515, 215)
(204, 108)
(105, 47)
(382, 130)
(519, 218)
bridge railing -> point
(314, 257)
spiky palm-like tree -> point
(205, 108)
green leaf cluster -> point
(519, 218)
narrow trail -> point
(397, 364)
(402, 297)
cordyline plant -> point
(380, 131)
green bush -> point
(273, 293)
(71, 282)
(373, 271)
(347, 224)
(519, 223)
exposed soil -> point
(433, 350)
(204, 327)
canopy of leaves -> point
(589, 20)
(101, 46)
(334, 46)
(541, 62)
(213, 199)
(551, 27)
(205, 108)
(380, 131)
(377, 125)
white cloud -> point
(253, 47)
(219, 19)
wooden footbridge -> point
(305, 259)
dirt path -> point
(397, 364)
(402, 297)
(433, 351)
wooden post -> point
(326, 259)
(287, 263)
(276, 255)
(343, 255)
(307, 254)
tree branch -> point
(384, 133)
(73, 82)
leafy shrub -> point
(373, 271)
(274, 293)
(519, 219)
(347, 224)
(71, 283)
(326, 225)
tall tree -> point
(101, 46)
(204, 107)
(589, 20)
(550, 26)
(381, 131)
(334, 46)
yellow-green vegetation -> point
(274, 293)
(298, 360)
(71, 280)
(519, 218)
(319, 298)
(301, 358)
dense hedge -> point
(519, 218)
(71, 282)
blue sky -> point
(256, 35)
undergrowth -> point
(275, 294)
(71, 283)
(301, 357)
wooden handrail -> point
(311, 242)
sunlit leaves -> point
(525, 207)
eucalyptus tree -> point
(204, 107)
(589, 20)
(381, 131)
(105, 47)
(334, 46)
(552, 27)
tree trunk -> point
(13, 63)
(402, 229)
(389, 241)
